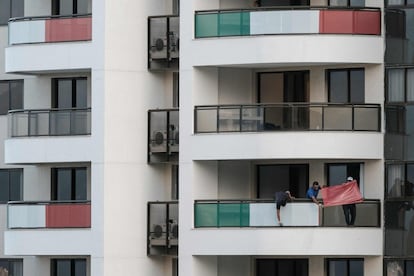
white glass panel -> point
(27, 32)
(284, 22)
(27, 216)
(293, 214)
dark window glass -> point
(11, 185)
(14, 267)
(357, 86)
(346, 85)
(347, 3)
(290, 177)
(394, 116)
(68, 7)
(345, 267)
(338, 173)
(267, 3)
(399, 227)
(9, 9)
(174, 182)
(11, 95)
(68, 267)
(69, 93)
(69, 184)
(281, 267)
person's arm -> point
(290, 196)
(278, 215)
(315, 200)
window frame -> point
(359, 179)
(348, 72)
(9, 91)
(276, 261)
(54, 182)
(10, 11)
(405, 4)
(53, 265)
(389, 260)
(405, 100)
(404, 166)
(348, 4)
(55, 90)
(9, 261)
(347, 260)
(21, 184)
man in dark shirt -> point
(281, 199)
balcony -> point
(262, 213)
(162, 237)
(287, 117)
(51, 214)
(43, 136)
(50, 122)
(163, 42)
(39, 44)
(163, 135)
(290, 36)
(292, 20)
(45, 228)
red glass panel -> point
(68, 29)
(68, 215)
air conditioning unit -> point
(174, 140)
(158, 141)
(159, 48)
(158, 235)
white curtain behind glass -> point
(395, 180)
(395, 91)
(410, 85)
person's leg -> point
(346, 214)
(352, 210)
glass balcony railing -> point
(163, 42)
(287, 117)
(262, 213)
(162, 228)
(288, 20)
(42, 29)
(163, 135)
(50, 214)
(50, 122)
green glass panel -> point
(245, 214)
(206, 25)
(245, 28)
(205, 215)
(233, 215)
(234, 23)
(230, 24)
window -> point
(399, 180)
(69, 184)
(10, 9)
(292, 177)
(281, 267)
(174, 182)
(69, 93)
(11, 185)
(267, 3)
(337, 173)
(345, 267)
(11, 95)
(68, 267)
(346, 85)
(399, 267)
(67, 7)
(347, 3)
(399, 2)
(400, 85)
(14, 267)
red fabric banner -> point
(346, 193)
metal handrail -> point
(275, 8)
(48, 110)
(266, 200)
(48, 202)
(41, 17)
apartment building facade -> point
(149, 137)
